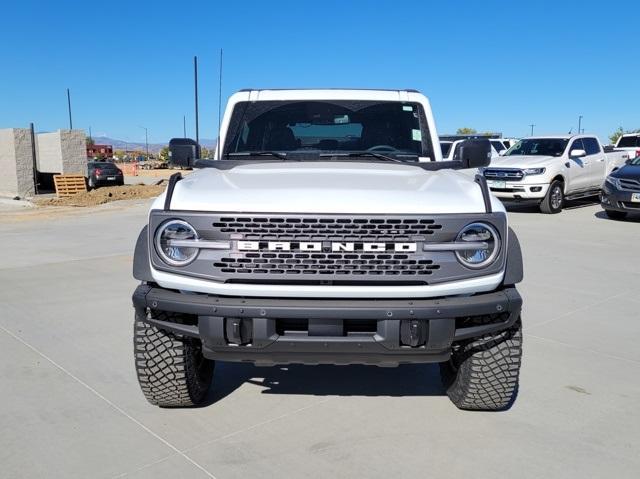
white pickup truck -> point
(549, 169)
(629, 142)
(328, 230)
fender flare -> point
(141, 268)
(514, 271)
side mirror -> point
(475, 153)
(578, 153)
(628, 161)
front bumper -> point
(617, 200)
(519, 191)
(269, 331)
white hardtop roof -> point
(557, 137)
(328, 94)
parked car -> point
(329, 232)
(621, 190)
(547, 170)
(101, 173)
(631, 143)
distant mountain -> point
(136, 145)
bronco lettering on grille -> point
(334, 246)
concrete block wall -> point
(16, 163)
(62, 151)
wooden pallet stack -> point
(69, 185)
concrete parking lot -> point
(71, 407)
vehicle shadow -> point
(569, 205)
(631, 218)
(328, 380)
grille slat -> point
(329, 229)
(508, 174)
(629, 184)
(327, 263)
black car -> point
(621, 190)
(102, 173)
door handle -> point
(601, 160)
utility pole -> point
(579, 124)
(90, 135)
(184, 126)
(146, 140)
(69, 108)
(195, 77)
(532, 125)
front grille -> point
(315, 229)
(629, 184)
(339, 264)
(325, 249)
(506, 174)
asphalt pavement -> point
(70, 405)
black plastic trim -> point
(173, 179)
(514, 271)
(141, 267)
(384, 348)
(486, 196)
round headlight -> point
(483, 256)
(168, 241)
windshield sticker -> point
(407, 108)
(416, 135)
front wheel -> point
(616, 215)
(552, 203)
(172, 372)
(483, 373)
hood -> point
(522, 161)
(631, 172)
(328, 187)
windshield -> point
(538, 147)
(312, 128)
(629, 141)
(635, 161)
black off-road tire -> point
(554, 200)
(616, 215)
(172, 372)
(483, 373)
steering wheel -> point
(382, 147)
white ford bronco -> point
(328, 230)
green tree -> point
(619, 132)
(466, 131)
(615, 135)
(164, 154)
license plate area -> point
(111, 178)
(497, 184)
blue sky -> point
(489, 65)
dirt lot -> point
(103, 195)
